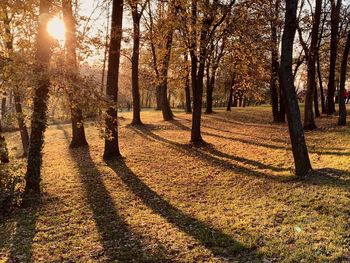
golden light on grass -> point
(56, 29)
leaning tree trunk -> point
(136, 119)
(188, 108)
(300, 153)
(41, 96)
(78, 131)
(111, 141)
(343, 70)
(335, 13)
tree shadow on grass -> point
(327, 176)
(219, 243)
(326, 151)
(119, 242)
(212, 156)
(22, 240)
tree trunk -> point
(316, 104)
(78, 131)
(188, 108)
(335, 12)
(41, 95)
(136, 119)
(111, 141)
(309, 117)
(158, 98)
(3, 105)
(300, 153)
(197, 91)
(282, 106)
(343, 70)
(210, 89)
(319, 74)
(229, 101)
(21, 124)
(274, 72)
(166, 110)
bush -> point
(10, 187)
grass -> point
(236, 200)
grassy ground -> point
(235, 201)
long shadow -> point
(119, 243)
(219, 243)
(330, 177)
(208, 154)
(327, 151)
(22, 241)
(271, 126)
(185, 128)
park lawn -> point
(235, 200)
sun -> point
(56, 29)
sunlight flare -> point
(56, 29)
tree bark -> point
(335, 13)
(111, 149)
(300, 153)
(41, 95)
(343, 71)
(136, 120)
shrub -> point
(10, 187)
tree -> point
(343, 70)
(310, 54)
(198, 35)
(78, 131)
(111, 149)
(11, 68)
(161, 40)
(215, 56)
(335, 13)
(41, 95)
(136, 13)
(300, 153)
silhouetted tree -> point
(41, 95)
(300, 153)
(111, 141)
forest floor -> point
(235, 200)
